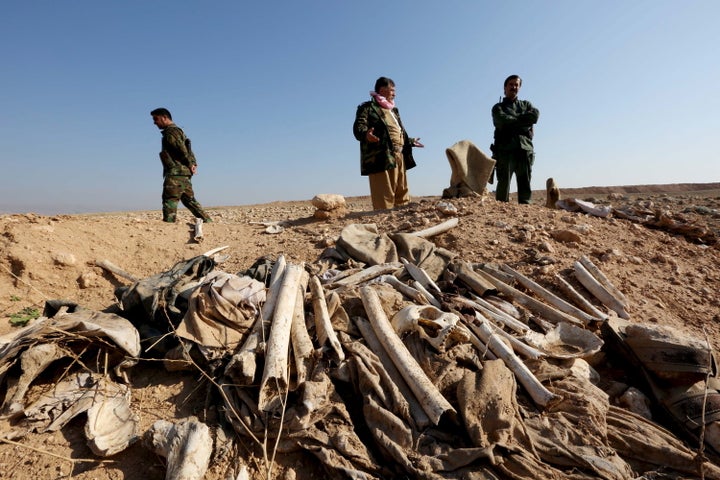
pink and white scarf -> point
(382, 101)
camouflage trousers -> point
(177, 188)
(520, 163)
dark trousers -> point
(177, 188)
(519, 163)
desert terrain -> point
(668, 269)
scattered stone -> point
(329, 206)
(566, 236)
(546, 246)
(328, 201)
(88, 279)
(446, 208)
(63, 258)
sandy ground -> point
(668, 278)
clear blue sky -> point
(267, 92)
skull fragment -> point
(440, 329)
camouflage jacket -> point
(378, 157)
(176, 156)
(514, 120)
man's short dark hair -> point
(383, 82)
(161, 112)
(512, 77)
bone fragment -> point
(111, 425)
(437, 229)
(416, 410)
(198, 230)
(493, 312)
(500, 275)
(481, 347)
(518, 346)
(476, 282)
(433, 301)
(274, 380)
(33, 362)
(541, 308)
(604, 281)
(243, 365)
(432, 401)
(187, 446)
(540, 395)
(504, 306)
(332, 276)
(579, 300)
(323, 325)
(302, 346)
(600, 292)
(405, 289)
(550, 297)
(367, 274)
(212, 252)
(112, 268)
(421, 276)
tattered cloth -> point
(471, 170)
(364, 243)
(221, 310)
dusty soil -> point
(669, 278)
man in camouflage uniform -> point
(513, 148)
(385, 148)
(179, 165)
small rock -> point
(328, 201)
(446, 208)
(64, 259)
(330, 214)
(566, 236)
(88, 280)
(546, 246)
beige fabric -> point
(222, 310)
(423, 253)
(365, 244)
(389, 189)
(471, 167)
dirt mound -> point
(669, 274)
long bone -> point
(599, 291)
(367, 274)
(490, 310)
(550, 297)
(543, 309)
(604, 281)
(243, 365)
(430, 398)
(405, 289)
(437, 229)
(540, 395)
(579, 300)
(275, 375)
(302, 346)
(373, 342)
(420, 276)
(518, 346)
(323, 326)
(469, 277)
(421, 288)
